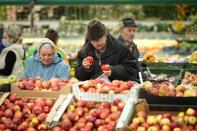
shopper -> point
(46, 63)
(53, 36)
(17, 30)
(11, 57)
(105, 50)
(127, 29)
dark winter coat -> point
(134, 50)
(117, 55)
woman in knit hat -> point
(46, 63)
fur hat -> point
(95, 30)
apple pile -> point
(167, 89)
(91, 116)
(184, 121)
(24, 114)
(190, 79)
(114, 87)
(37, 84)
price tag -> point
(62, 108)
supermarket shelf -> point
(56, 2)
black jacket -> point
(117, 55)
(134, 50)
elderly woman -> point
(46, 63)
(11, 57)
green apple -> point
(1, 82)
(12, 79)
(192, 120)
(5, 81)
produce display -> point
(24, 113)
(37, 84)
(114, 87)
(183, 121)
(167, 89)
(190, 79)
(193, 57)
(150, 57)
(91, 116)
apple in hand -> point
(90, 59)
(105, 67)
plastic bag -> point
(104, 78)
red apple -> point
(56, 128)
(116, 101)
(41, 117)
(89, 104)
(121, 106)
(116, 83)
(66, 124)
(46, 109)
(133, 126)
(13, 97)
(8, 113)
(42, 127)
(19, 103)
(98, 122)
(106, 105)
(37, 110)
(40, 102)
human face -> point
(99, 44)
(46, 55)
(6, 39)
(128, 33)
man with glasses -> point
(103, 49)
(127, 29)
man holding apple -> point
(102, 53)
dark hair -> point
(95, 30)
(52, 35)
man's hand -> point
(87, 62)
(106, 69)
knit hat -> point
(46, 41)
(95, 30)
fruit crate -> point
(5, 88)
(97, 96)
(122, 121)
(189, 81)
(172, 75)
(43, 94)
(52, 105)
(158, 112)
(166, 100)
(162, 65)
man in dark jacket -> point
(127, 29)
(105, 50)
